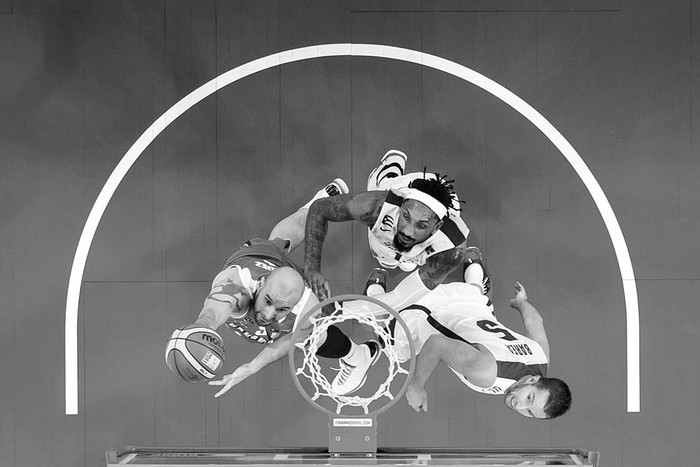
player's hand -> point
(417, 398)
(520, 296)
(231, 380)
(318, 284)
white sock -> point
(322, 193)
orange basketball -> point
(195, 354)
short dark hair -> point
(559, 396)
(439, 188)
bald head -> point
(282, 289)
(285, 283)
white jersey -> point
(381, 236)
(459, 311)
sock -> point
(322, 193)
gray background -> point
(81, 81)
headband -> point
(436, 206)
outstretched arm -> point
(363, 207)
(532, 320)
(467, 360)
(270, 353)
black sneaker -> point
(376, 276)
(474, 256)
(337, 187)
(392, 165)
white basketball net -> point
(311, 369)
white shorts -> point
(449, 304)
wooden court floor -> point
(81, 82)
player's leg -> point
(475, 270)
(355, 359)
(376, 282)
(391, 167)
(291, 228)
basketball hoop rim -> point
(342, 298)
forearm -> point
(213, 317)
(426, 362)
(532, 319)
(269, 354)
(440, 265)
(314, 235)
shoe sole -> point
(380, 272)
(344, 190)
(394, 152)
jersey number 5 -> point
(490, 326)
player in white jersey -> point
(455, 324)
(260, 292)
(412, 226)
(413, 223)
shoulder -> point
(451, 258)
(367, 205)
(231, 274)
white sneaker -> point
(392, 165)
(350, 378)
(337, 187)
(474, 256)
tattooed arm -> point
(362, 207)
(440, 265)
(417, 284)
(228, 298)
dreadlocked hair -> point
(439, 188)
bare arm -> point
(532, 320)
(479, 367)
(269, 354)
(363, 207)
(440, 265)
(227, 299)
(417, 284)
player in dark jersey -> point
(260, 292)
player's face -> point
(416, 223)
(527, 399)
(271, 304)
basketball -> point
(195, 354)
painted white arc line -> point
(359, 50)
